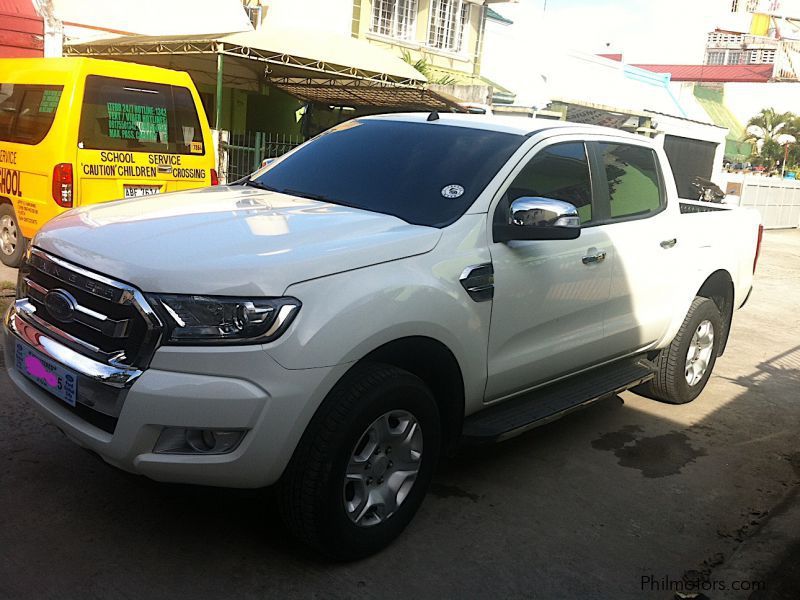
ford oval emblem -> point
(60, 305)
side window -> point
(634, 184)
(27, 111)
(561, 172)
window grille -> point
(394, 18)
(448, 21)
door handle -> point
(667, 244)
(593, 259)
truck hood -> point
(235, 241)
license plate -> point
(57, 380)
(135, 191)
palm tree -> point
(767, 132)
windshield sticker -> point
(196, 147)
(453, 191)
(137, 122)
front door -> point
(549, 296)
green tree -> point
(764, 130)
(424, 67)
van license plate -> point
(135, 191)
(48, 375)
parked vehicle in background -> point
(399, 284)
(77, 131)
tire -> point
(12, 244)
(671, 384)
(317, 496)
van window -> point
(27, 111)
(122, 114)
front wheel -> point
(364, 463)
(685, 366)
(12, 244)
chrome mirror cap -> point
(534, 218)
(543, 212)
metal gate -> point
(778, 200)
(245, 151)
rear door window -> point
(633, 178)
(27, 111)
(123, 114)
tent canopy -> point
(316, 67)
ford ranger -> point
(355, 309)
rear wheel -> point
(12, 244)
(364, 463)
(685, 366)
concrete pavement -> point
(623, 500)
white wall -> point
(88, 19)
(745, 100)
(333, 16)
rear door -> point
(138, 138)
(646, 241)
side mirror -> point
(539, 219)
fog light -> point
(182, 440)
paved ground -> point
(7, 274)
(584, 508)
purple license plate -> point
(54, 378)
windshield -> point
(423, 173)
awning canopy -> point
(316, 67)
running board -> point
(543, 405)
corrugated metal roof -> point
(22, 8)
(496, 16)
(714, 73)
(21, 30)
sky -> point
(645, 31)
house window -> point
(448, 20)
(735, 57)
(768, 56)
(715, 58)
(394, 18)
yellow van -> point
(76, 131)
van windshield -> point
(423, 173)
(123, 114)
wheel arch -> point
(718, 287)
(435, 364)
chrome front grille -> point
(104, 319)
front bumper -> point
(211, 387)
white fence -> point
(778, 200)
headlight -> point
(222, 320)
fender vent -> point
(479, 282)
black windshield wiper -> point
(309, 195)
(257, 184)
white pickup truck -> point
(395, 286)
